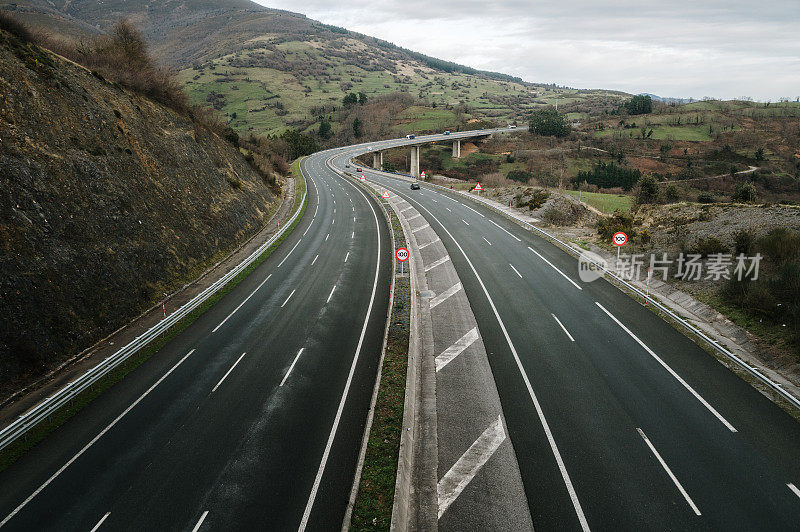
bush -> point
(709, 246)
(744, 243)
(781, 245)
(519, 175)
(619, 221)
(705, 197)
(609, 175)
(647, 190)
(671, 194)
(745, 192)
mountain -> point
(107, 200)
(268, 70)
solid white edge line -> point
(334, 428)
(540, 413)
(229, 372)
(331, 294)
(290, 252)
(564, 275)
(93, 441)
(669, 472)
(292, 366)
(563, 328)
(200, 522)
(100, 522)
(669, 369)
(512, 235)
(515, 270)
(240, 304)
(794, 489)
(288, 298)
(473, 210)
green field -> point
(661, 132)
(604, 202)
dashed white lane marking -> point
(669, 369)
(448, 209)
(228, 373)
(563, 328)
(100, 523)
(290, 252)
(315, 260)
(473, 210)
(423, 246)
(436, 263)
(353, 235)
(288, 298)
(292, 366)
(327, 237)
(564, 275)
(463, 220)
(515, 270)
(484, 238)
(444, 295)
(669, 472)
(433, 200)
(93, 441)
(794, 489)
(240, 304)
(330, 295)
(456, 349)
(515, 237)
(345, 257)
(333, 221)
(200, 522)
(464, 470)
(418, 215)
(420, 228)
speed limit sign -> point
(401, 254)
(619, 239)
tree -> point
(745, 192)
(350, 99)
(671, 194)
(325, 129)
(648, 190)
(759, 155)
(358, 128)
(549, 123)
(362, 98)
(639, 105)
(299, 144)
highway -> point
(618, 420)
(252, 417)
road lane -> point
(227, 433)
(603, 386)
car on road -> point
(446, 132)
(415, 186)
(347, 166)
(359, 170)
(412, 136)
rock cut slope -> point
(107, 200)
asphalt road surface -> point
(250, 419)
(618, 421)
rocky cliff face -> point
(107, 200)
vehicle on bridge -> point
(447, 132)
(411, 136)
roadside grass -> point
(604, 202)
(375, 498)
(11, 453)
(661, 132)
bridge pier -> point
(456, 149)
(377, 160)
(414, 162)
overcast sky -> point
(680, 48)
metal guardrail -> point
(62, 397)
(775, 387)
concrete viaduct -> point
(414, 170)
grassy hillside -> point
(108, 200)
(268, 70)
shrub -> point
(671, 194)
(745, 192)
(647, 190)
(609, 175)
(781, 245)
(744, 242)
(519, 175)
(709, 246)
(705, 197)
(619, 221)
